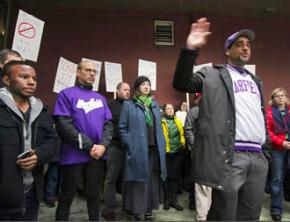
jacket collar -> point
(88, 87)
(225, 75)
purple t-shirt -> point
(89, 111)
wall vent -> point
(164, 32)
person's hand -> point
(199, 32)
(286, 145)
(93, 152)
(100, 150)
(97, 151)
(28, 163)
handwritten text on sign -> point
(27, 36)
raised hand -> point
(199, 32)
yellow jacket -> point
(166, 136)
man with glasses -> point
(83, 121)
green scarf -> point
(146, 102)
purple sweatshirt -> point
(89, 111)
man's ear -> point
(227, 52)
(78, 72)
(6, 80)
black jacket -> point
(11, 145)
(115, 108)
(190, 126)
(215, 136)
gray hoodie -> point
(35, 108)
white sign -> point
(65, 75)
(148, 69)
(98, 72)
(27, 36)
(198, 67)
(113, 75)
(251, 68)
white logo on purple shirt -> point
(90, 105)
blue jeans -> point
(51, 181)
(277, 179)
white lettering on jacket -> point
(90, 105)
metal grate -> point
(164, 32)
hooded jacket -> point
(15, 135)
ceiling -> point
(245, 8)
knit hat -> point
(233, 37)
(139, 80)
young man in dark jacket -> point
(228, 154)
(25, 126)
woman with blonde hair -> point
(278, 121)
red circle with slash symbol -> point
(26, 30)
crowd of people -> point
(232, 140)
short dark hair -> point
(7, 67)
(5, 52)
(80, 65)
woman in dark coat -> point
(141, 133)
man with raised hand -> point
(230, 143)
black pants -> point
(114, 166)
(173, 165)
(69, 177)
(31, 209)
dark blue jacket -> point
(133, 133)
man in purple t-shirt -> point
(83, 121)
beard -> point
(239, 60)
